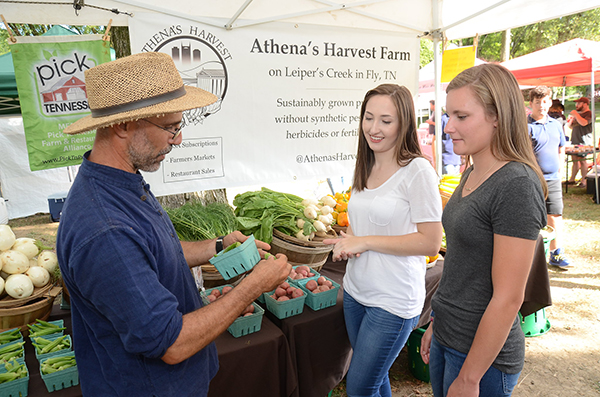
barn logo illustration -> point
(60, 83)
(200, 59)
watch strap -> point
(219, 244)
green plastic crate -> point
(61, 379)
(242, 325)
(19, 339)
(535, 324)
(55, 335)
(284, 309)
(238, 260)
(44, 356)
(321, 300)
(15, 388)
(417, 367)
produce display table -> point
(318, 340)
(303, 355)
(571, 151)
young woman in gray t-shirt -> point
(475, 346)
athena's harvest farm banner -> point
(50, 78)
(289, 98)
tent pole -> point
(437, 77)
(594, 142)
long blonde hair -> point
(407, 141)
(498, 92)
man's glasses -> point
(175, 131)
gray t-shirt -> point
(509, 203)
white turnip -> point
(7, 237)
(18, 286)
(14, 262)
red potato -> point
(285, 285)
(211, 298)
(290, 290)
(329, 284)
(248, 310)
(297, 293)
(215, 292)
(311, 285)
(280, 292)
(311, 274)
(283, 298)
(321, 280)
(226, 289)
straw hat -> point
(136, 87)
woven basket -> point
(299, 252)
(445, 197)
(212, 278)
(20, 316)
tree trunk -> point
(119, 38)
(505, 51)
(204, 197)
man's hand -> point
(270, 272)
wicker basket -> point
(445, 197)
(299, 252)
(20, 316)
(212, 278)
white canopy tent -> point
(434, 19)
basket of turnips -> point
(292, 225)
(29, 280)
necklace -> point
(484, 174)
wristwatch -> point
(219, 244)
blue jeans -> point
(445, 364)
(376, 336)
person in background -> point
(431, 122)
(451, 162)
(394, 214)
(548, 139)
(475, 345)
(557, 112)
(139, 326)
(579, 121)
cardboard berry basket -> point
(238, 260)
(319, 300)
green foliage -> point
(259, 212)
(29, 29)
(194, 221)
(426, 52)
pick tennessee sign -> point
(50, 74)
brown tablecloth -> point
(537, 290)
(305, 355)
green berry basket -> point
(239, 260)
(43, 356)
(55, 335)
(319, 300)
(60, 379)
(19, 357)
(284, 309)
(316, 276)
(17, 332)
(15, 388)
(242, 325)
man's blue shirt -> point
(130, 285)
(547, 137)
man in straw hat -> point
(139, 327)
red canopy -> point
(566, 64)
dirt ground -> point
(563, 362)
